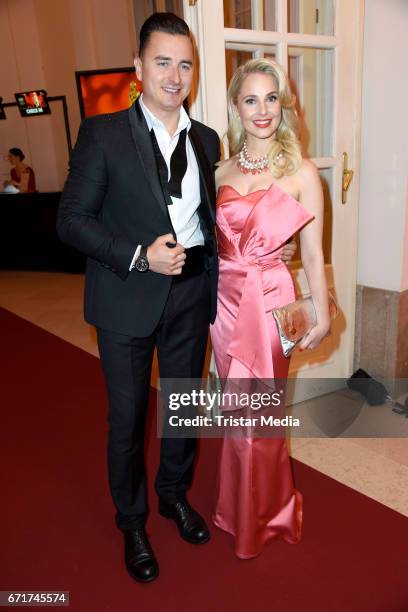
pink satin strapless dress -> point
(256, 499)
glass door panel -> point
(238, 54)
(235, 58)
(143, 10)
(311, 16)
(311, 76)
(250, 14)
(320, 43)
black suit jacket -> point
(113, 201)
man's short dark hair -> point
(17, 153)
(161, 22)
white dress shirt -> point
(183, 211)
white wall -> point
(383, 214)
(23, 68)
(43, 43)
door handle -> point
(346, 179)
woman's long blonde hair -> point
(285, 154)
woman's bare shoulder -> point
(310, 187)
(307, 171)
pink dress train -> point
(256, 499)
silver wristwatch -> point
(142, 263)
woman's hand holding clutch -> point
(298, 324)
(314, 337)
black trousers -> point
(181, 340)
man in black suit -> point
(139, 201)
(145, 219)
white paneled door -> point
(320, 44)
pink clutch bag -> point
(296, 319)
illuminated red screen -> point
(109, 92)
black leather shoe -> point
(190, 524)
(139, 557)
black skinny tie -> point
(178, 166)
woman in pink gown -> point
(266, 193)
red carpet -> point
(56, 517)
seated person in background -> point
(22, 176)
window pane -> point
(311, 16)
(233, 59)
(311, 76)
(143, 10)
(270, 55)
(250, 14)
(173, 6)
(241, 53)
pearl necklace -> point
(247, 164)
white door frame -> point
(207, 25)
